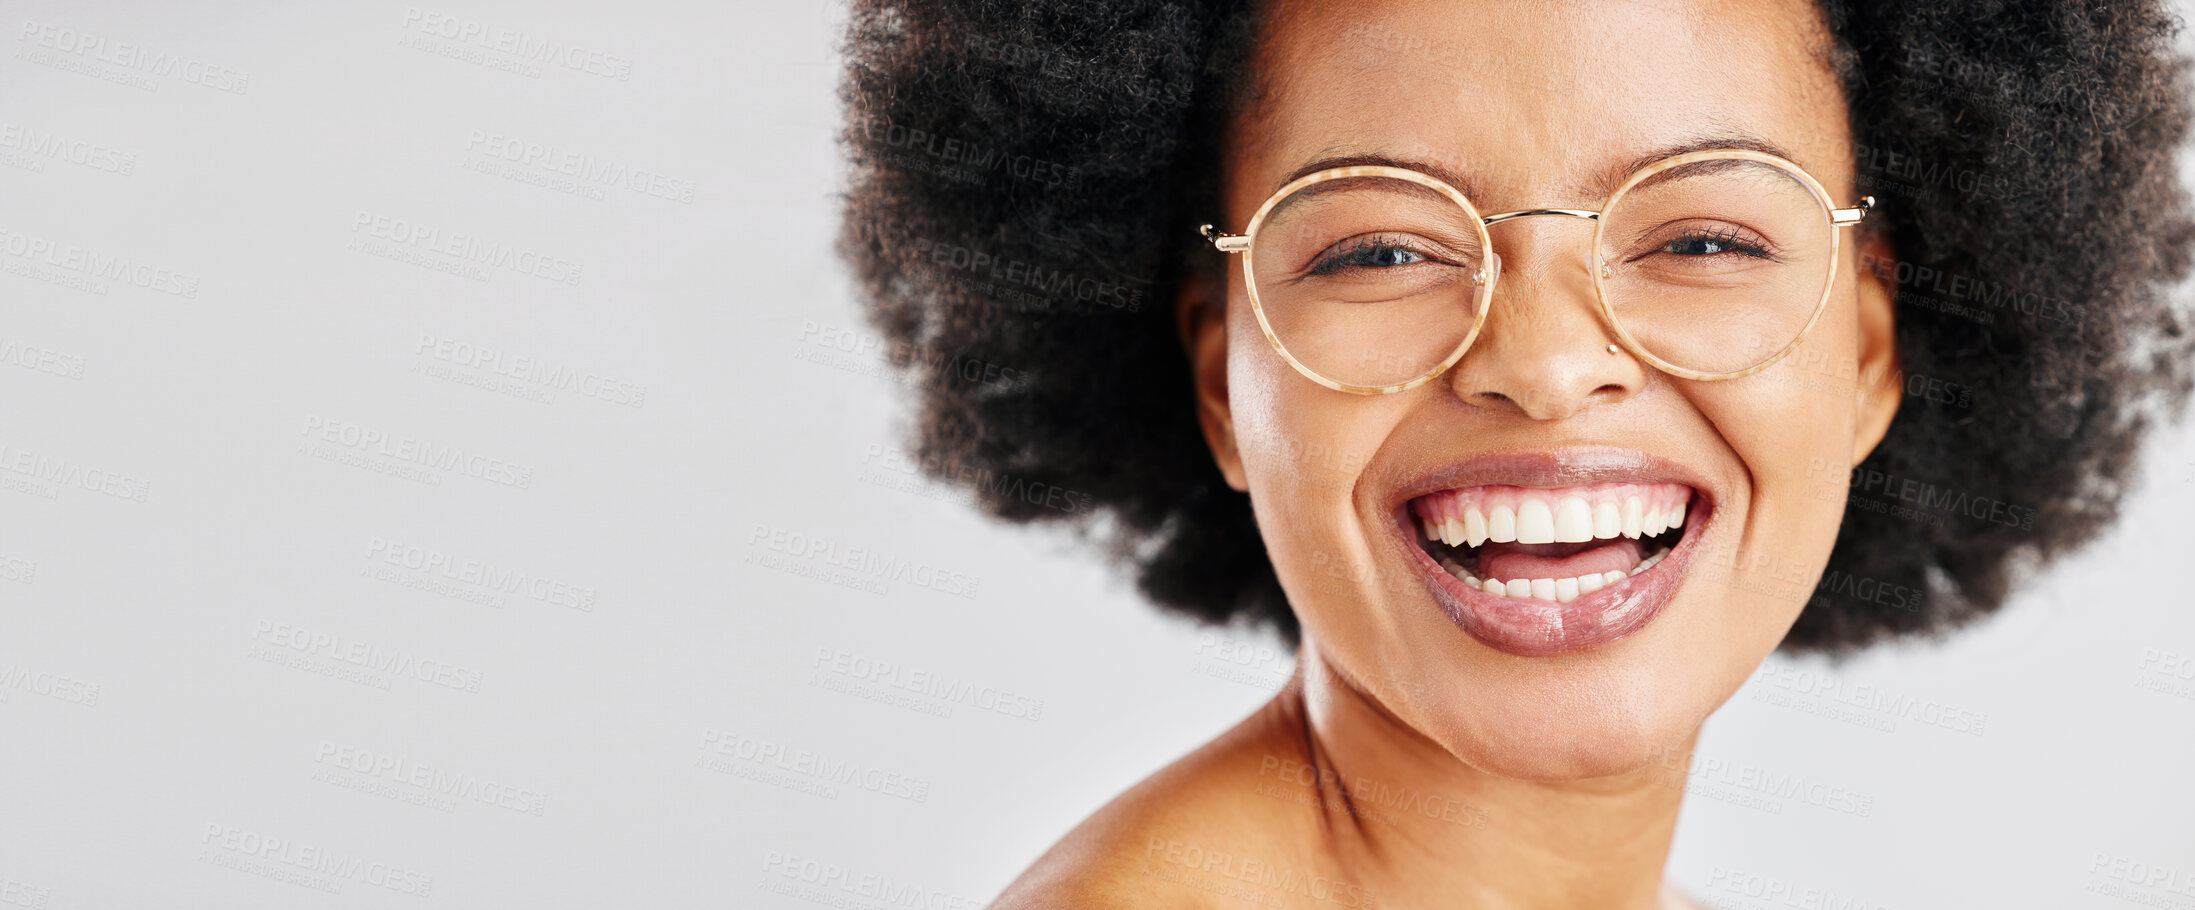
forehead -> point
(1537, 103)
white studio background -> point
(253, 653)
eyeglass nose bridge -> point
(1490, 272)
(1487, 275)
(1492, 220)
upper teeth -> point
(1538, 517)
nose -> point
(1543, 352)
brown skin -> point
(1560, 776)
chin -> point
(1571, 730)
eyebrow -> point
(1604, 183)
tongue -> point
(1505, 561)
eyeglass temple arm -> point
(1851, 216)
(1236, 243)
(1226, 243)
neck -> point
(1417, 826)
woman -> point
(1534, 367)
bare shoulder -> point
(1198, 833)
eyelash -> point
(1348, 257)
(1727, 238)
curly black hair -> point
(1025, 178)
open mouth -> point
(1562, 564)
(1552, 545)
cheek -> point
(1304, 449)
(1792, 428)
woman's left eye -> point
(1711, 243)
(1368, 256)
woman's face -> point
(1547, 106)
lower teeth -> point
(1559, 590)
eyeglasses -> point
(1708, 265)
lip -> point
(1534, 628)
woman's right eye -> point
(1366, 254)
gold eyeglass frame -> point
(1485, 279)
